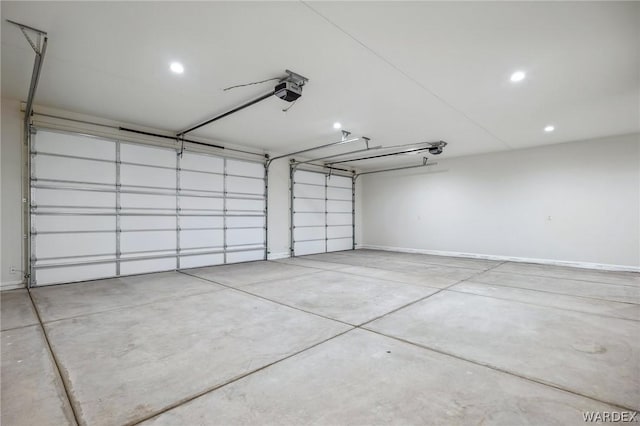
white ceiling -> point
(396, 72)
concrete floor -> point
(364, 337)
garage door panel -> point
(197, 261)
(244, 236)
(75, 223)
(245, 168)
(244, 185)
(131, 267)
(339, 206)
(339, 219)
(339, 231)
(240, 222)
(201, 222)
(215, 205)
(339, 244)
(308, 191)
(201, 238)
(339, 194)
(306, 205)
(74, 273)
(339, 181)
(61, 245)
(302, 219)
(47, 167)
(301, 176)
(150, 155)
(310, 247)
(78, 145)
(131, 175)
(200, 251)
(147, 201)
(309, 233)
(147, 222)
(202, 162)
(64, 197)
(147, 241)
(245, 256)
(201, 182)
(245, 205)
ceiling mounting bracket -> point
(295, 78)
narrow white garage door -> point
(322, 213)
(102, 208)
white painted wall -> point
(11, 194)
(278, 213)
(359, 214)
(572, 202)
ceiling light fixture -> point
(176, 67)
(549, 129)
(337, 125)
(518, 76)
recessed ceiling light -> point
(549, 129)
(176, 67)
(337, 125)
(518, 76)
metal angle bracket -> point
(180, 140)
(295, 78)
(36, 46)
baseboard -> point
(276, 256)
(584, 265)
(11, 285)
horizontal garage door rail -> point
(236, 195)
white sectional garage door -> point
(102, 208)
(322, 213)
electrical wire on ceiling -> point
(251, 84)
